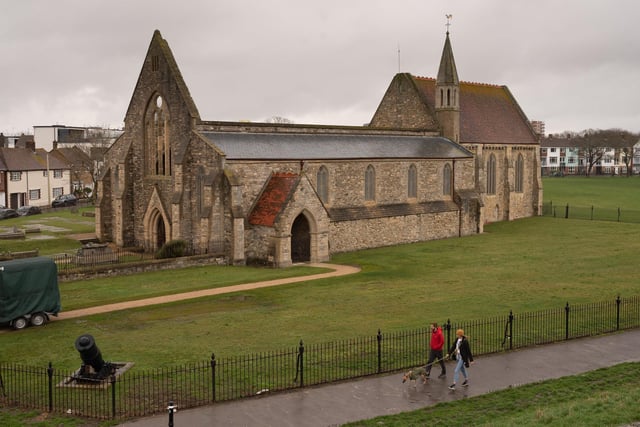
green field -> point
(599, 191)
(525, 265)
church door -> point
(160, 232)
(300, 240)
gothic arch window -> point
(491, 175)
(322, 183)
(157, 149)
(441, 97)
(519, 174)
(412, 182)
(370, 184)
(446, 180)
(448, 97)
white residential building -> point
(31, 178)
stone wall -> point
(349, 236)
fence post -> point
(447, 327)
(618, 214)
(379, 337)
(511, 316)
(566, 211)
(566, 322)
(618, 313)
(50, 375)
(113, 396)
(213, 377)
(301, 362)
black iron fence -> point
(590, 213)
(137, 393)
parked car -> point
(8, 213)
(28, 210)
(64, 200)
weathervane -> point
(448, 24)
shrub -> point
(172, 249)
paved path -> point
(337, 270)
(335, 404)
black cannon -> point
(93, 368)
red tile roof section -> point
(488, 113)
(273, 199)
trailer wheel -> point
(38, 319)
(20, 323)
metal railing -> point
(90, 257)
(137, 393)
(590, 213)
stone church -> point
(439, 159)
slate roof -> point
(274, 197)
(281, 146)
(488, 113)
(381, 211)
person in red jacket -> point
(435, 353)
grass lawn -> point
(54, 225)
(599, 191)
(606, 397)
(513, 266)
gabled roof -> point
(317, 146)
(274, 198)
(488, 113)
(24, 159)
(163, 46)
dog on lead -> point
(414, 374)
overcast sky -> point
(574, 64)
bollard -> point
(171, 408)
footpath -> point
(336, 404)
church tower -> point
(447, 97)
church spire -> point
(447, 73)
(447, 97)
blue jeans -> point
(459, 368)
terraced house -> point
(431, 165)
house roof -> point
(291, 146)
(22, 159)
(488, 113)
(73, 155)
(273, 199)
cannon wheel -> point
(38, 319)
(20, 323)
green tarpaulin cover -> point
(28, 286)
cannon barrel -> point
(89, 352)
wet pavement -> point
(336, 404)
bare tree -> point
(595, 143)
(591, 148)
(278, 119)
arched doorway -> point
(300, 240)
(161, 236)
